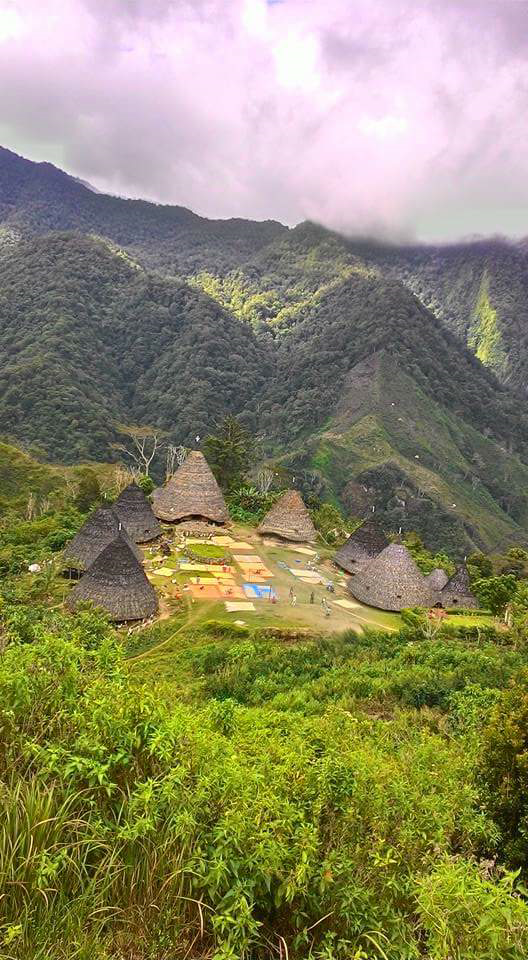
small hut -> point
(191, 493)
(95, 534)
(437, 579)
(391, 581)
(135, 513)
(362, 545)
(289, 519)
(457, 591)
(117, 583)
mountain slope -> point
(389, 447)
(87, 338)
(39, 198)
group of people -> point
(327, 610)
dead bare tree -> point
(31, 507)
(264, 479)
(176, 455)
(144, 443)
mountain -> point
(88, 339)
(39, 198)
(357, 362)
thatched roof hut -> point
(289, 519)
(117, 583)
(362, 545)
(135, 513)
(191, 492)
(391, 581)
(437, 579)
(95, 534)
(457, 591)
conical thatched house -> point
(391, 581)
(135, 513)
(289, 519)
(362, 545)
(117, 583)
(437, 579)
(457, 591)
(99, 530)
(191, 492)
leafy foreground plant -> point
(137, 828)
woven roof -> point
(135, 513)
(362, 545)
(289, 518)
(117, 583)
(457, 591)
(391, 581)
(191, 492)
(95, 534)
(437, 579)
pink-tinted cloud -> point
(397, 117)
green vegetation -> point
(324, 794)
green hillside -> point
(139, 314)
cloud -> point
(402, 118)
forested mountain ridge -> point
(87, 339)
(315, 341)
(39, 198)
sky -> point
(403, 119)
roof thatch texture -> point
(117, 583)
(362, 545)
(457, 591)
(191, 492)
(289, 519)
(99, 530)
(437, 579)
(135, 513)
(391, 581)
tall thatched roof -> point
(457, 591)
(391, 581)
(289, 518)
(96, 533)
(117, 583)
(362, 545)
(437, 579)
(191, 492)
(135, 513)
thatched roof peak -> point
(191, 492)
(289, 518)
(391, 581)
(135, 512)
(100, 529)
(457, 591)
(437, 579)
(362, 545)
(117, 583)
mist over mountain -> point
(387, 377)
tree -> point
(88, 491)
(143, 445)
(176, 455)
(504, 769)
(495, 593)
(230, 453)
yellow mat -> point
(246, 558)
(192, 567)
(221, 573)
(234, 607)
(222, 541)
(305, 550)
(163, 572)
(309, 574)
(241, 545)
(347, 604)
